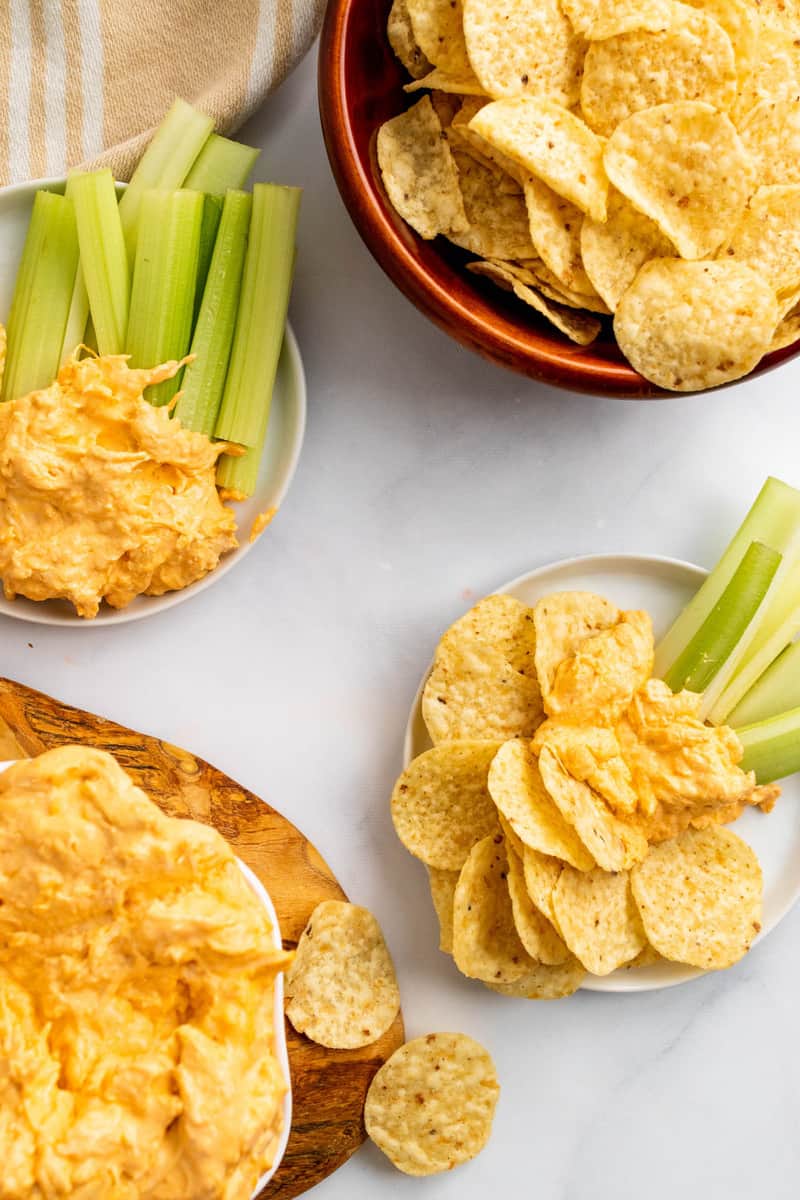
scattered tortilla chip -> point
(502, 622)
(402, 40)
(441, 804)
(523, 47)
(535, 932)
(684, 166)
(598, 918)
(613, 251)
(442, 81)
(498, 220)
(700, 897)
(544, 983)
(473, 692)
(443, 890)
(430, 1106)
(515, 785)
(542, 872)
(551, 143)
(486, 944)
(687, 326)
(341, 989)
(690, 60)
(768, 237)
(578, 327)
(771, 135)
(555, 228)
(614, 845)
(419, 173)
(438, 27)
(599, 19)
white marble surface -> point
(428, 477)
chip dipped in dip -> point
(104, 496)
(137, 1001)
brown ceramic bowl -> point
(360, 87)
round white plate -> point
(285, 437)
(662, 586)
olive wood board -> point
(328, 1086)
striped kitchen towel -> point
(87, 80)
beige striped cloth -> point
(86, 81)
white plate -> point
(281, 1050)
(286, 430)
(661, 586)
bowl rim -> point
(553, 363)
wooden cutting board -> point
(328, 1086)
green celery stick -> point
(727, 621)
(164, 281)
(104, 259)
(204, 378)
(221, 165)
(42, 296)
(777, 691)
(772, 748)
(260, 324)
(212, 213)
(165, 163)
(75, 333)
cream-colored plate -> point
(284, 440)
(661, 586)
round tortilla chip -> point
(771, 135)
(598, 918)
(768, 237)
(614, 251)
(553, 144)
(486, 944)
(438, 27)
(341, 989)
(786, 333)
(684, 166)
(473, 692)
(498, 220)
(700, 897)
(690, 60)
(441, 804)
(544, 983)
(599, 19)
(516, 787)
(502, 622)
(555, 229)
(443, 890)
(536, 933)
(774, 73)
(402, 40)
(430, 1106)
(542, 873)
(523, 47)
(739, 19)
(692, 325)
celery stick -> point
(751, 670)
(773, 519)
(777, 690)
(212, 213)
(772, 748)
(221, 165)
(75, 333)
(104, 260)
(239, 474)
(260, 324)
(204, 378)
(724, 626)
(42, 296)
(164, 280)
(165, 163)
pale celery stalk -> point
(104, 259)
(42, 296)
(772, 748)
(75, 333)
(164, 280)
(261, 320)
(204, 378)
(165, 163)
(221, 165)
(773, 519)
(750, 671)
(776, 691)
(727, 621)
(212, 214)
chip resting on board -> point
(700, 897)
(341, 989)
(430, 1107)
(473, 692)
(684, 166)
(419, 173)
(486, 944)
(598, 918)
(441, 804)
(692, 325)
(524, 47)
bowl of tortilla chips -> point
(600, 194)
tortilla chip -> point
(473, 692)
(419, 173)
(430, 1107)
(578, 327)
(442, 81)
(614, 251)
(441, 804)
(767, 237)
(438, 27)
(542, 872)
(600, 19)
(402, 40)
(443, 890)
(598, 918)
(486, 944)
(555, 229)
(523, 47)
(502, 622)
(498, 219)
(536, 933)
(544, 983)
(341, 989)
